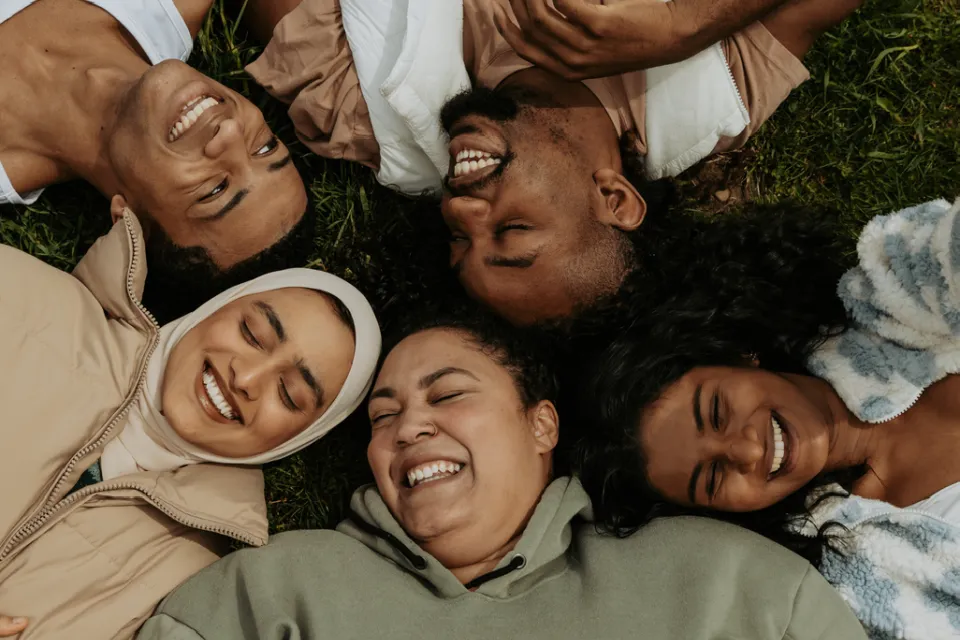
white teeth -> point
(432, 471)
(779, 446)
(216, 395)
(464, 165)
(190, 114)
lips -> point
(215, 397)
(783, 447)
(427, 469)
(190, 114)
(474, 156)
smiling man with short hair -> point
(98, 90)
(570, 106)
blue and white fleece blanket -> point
(900, 572)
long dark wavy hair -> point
(758, 285)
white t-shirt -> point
(157, 27)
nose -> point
(413, 428)
(227, 141)
(249, 375)
(744, 450)
(469, 213)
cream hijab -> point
(149, 443)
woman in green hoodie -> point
(467, 533)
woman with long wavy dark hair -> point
(758, 396)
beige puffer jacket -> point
(73, 353)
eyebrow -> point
(231, 205)
(272, 317)
(697, 470)
(279, 164)
(520, 262)
(311, 381)
(424, 382)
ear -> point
(546, 426)
(118, 204)
(625, 209)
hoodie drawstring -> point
(418, 562)
(516, 563)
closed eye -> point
(216, 191)
(381, 417)
(268, 148)
(715, 413)
(248, 335)
(287, 399)
(712, 480)
(449, 396)
(511, 227)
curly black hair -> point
(762, 283)
(524, 353)
(180, 279)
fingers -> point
(524, 48)
(546, 25)
(10, 627)
(590, 18)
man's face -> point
(521, 204)
(199, 160)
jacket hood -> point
(539, 554)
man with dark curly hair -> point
(536, 193)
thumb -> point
(10, 627)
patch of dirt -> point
(718, 183)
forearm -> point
(701, 23)
(262, 16)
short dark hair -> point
(180, 279)
(522, 352)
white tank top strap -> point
(156, 25)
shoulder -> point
(696, 545)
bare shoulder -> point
(193, 13)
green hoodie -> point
(680, 578)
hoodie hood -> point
(539, 554)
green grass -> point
(875, 129)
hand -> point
(11, 627)
(580, 39)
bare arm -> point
(262, 16)
(580, 39)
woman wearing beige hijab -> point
(132, 448)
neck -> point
(852, 442)
(470, 572)
(66, 124)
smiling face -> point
(457, 457)
(534, 227)
(257, 372)
(733, 439)
(199, 160)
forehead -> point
(428, 351)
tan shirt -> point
(308, 65)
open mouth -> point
(217, 400)
(189, 115)
(431, 472)
(782, 448)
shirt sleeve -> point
(820, 614)
(164, 627)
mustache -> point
(499, 106)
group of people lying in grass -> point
(734, 379)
